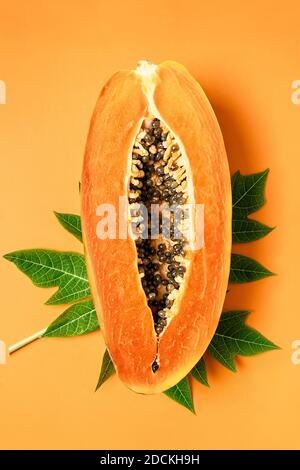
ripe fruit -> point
(155, 140)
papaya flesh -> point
(154, 141)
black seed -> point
(157, 278)
(181, 269)
(159, 170)
(155, 366)
(156, 123)
(169, 183)
(164, 282)
(152, 295)
(170, 275)
(145, 159)
(161, 314)
(158, 328)
(162, 246)
(157, 132)
(174, 148)
(173, 167)
(162, 322)
(151, 287)
(162, 258)
(172, 267)
(148, 139)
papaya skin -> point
(124, 316)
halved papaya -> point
(154, 142)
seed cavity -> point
(158, 181)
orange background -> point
(54, 57)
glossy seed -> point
(161, 313)
(155, 123)
(159, 170)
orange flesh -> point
(125, 318)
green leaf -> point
(199, 372)
(248, 230)
(248, 193)
(71, 223)
(48, 268)
(244, 269)
(234, 338)
(79, 319)
(107, 369)
(182, 394)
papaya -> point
(158, 284)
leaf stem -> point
(24, 342)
